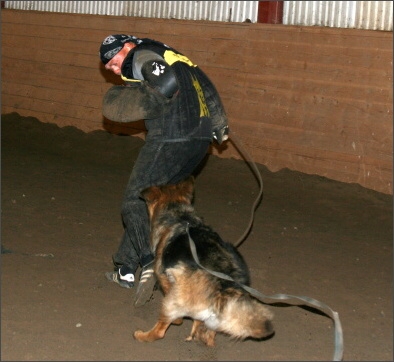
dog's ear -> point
(191, 179)
(187, 188)
(149, 194)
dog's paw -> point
(139, 335)
(208, 339)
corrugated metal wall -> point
(230, 11)
(373, 15)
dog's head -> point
(159, 197)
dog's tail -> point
(243, 316)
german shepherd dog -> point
(214, 304)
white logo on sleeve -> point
(158, 68)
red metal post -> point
(270, 12)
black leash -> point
(242, 151)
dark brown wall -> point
(312, 99)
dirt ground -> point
(61, 196)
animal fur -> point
(215, 304)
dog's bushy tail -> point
(243, 316)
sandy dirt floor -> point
(61, 196)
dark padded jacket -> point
(195, 107)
